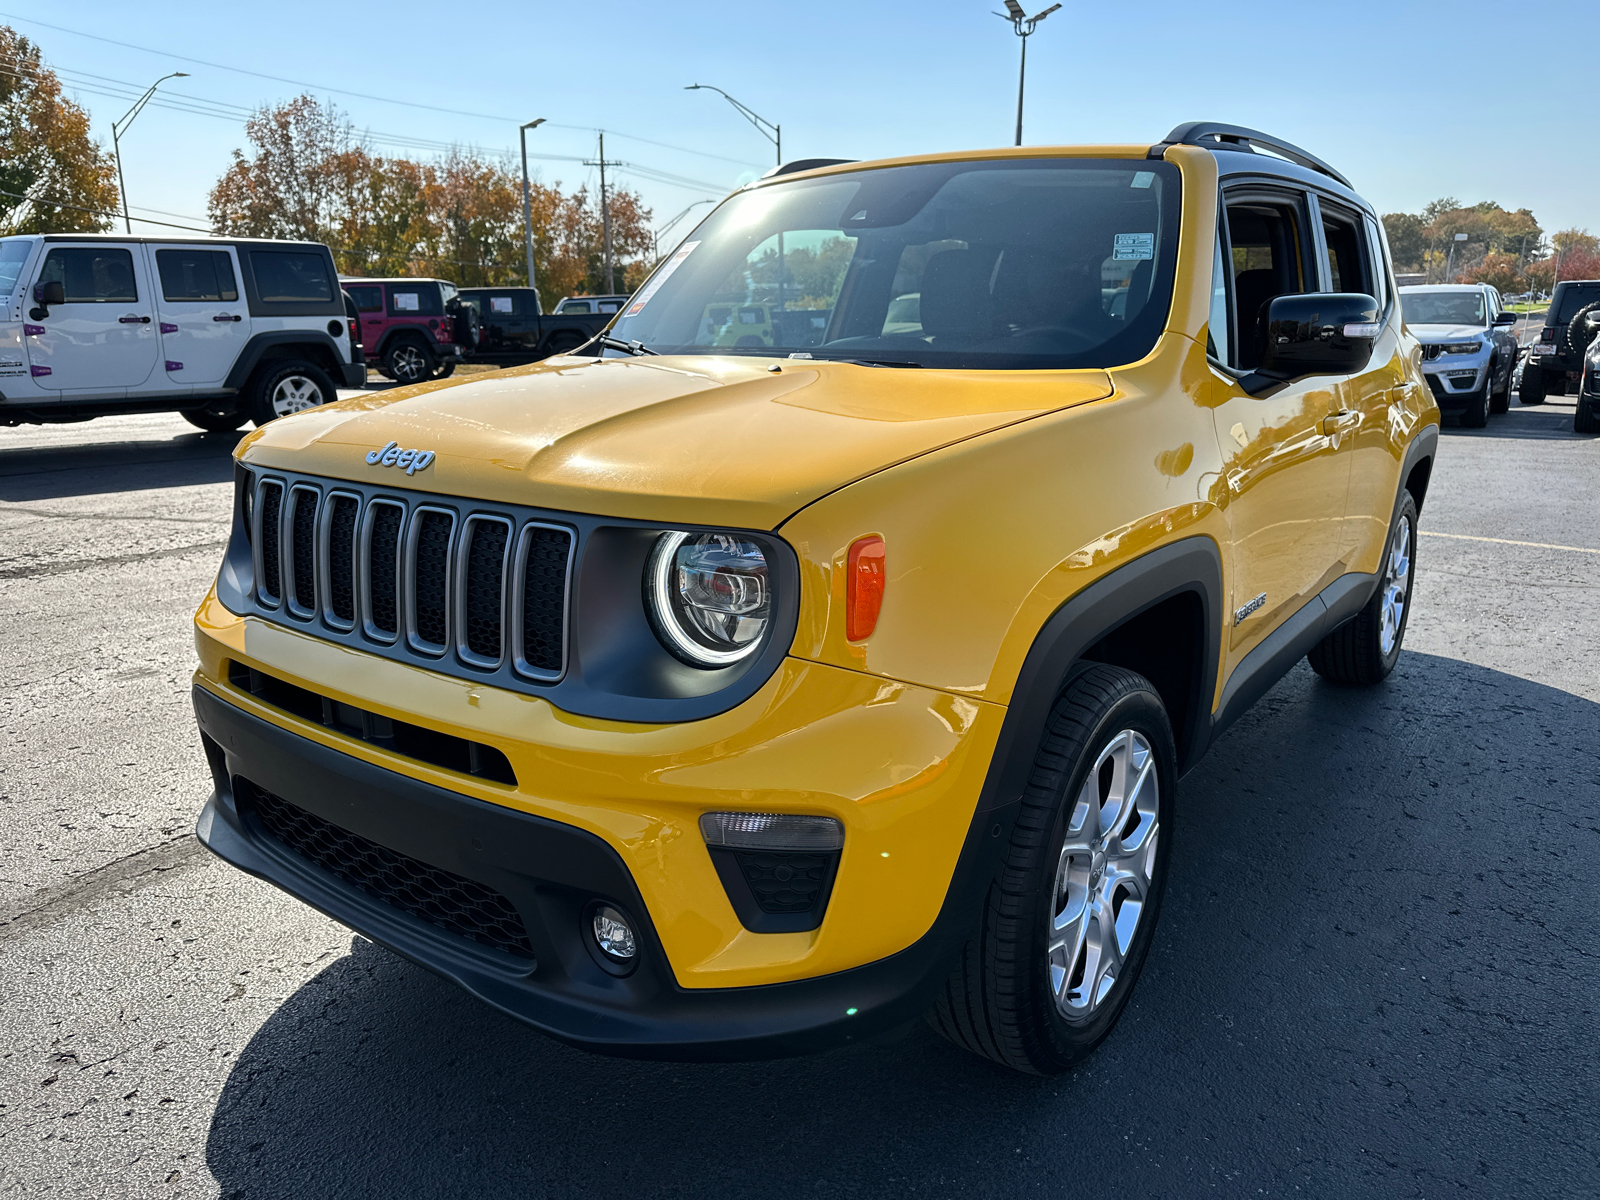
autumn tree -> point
(287, 189)
(53, 177)
(1407, 242)
(1497, 270)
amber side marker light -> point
(863, 588)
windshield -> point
(1012, 264)
(12, 256)
(1443, 308)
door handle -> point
(133, 320)
(1340, 422)
(226, 317)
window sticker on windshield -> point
(661, 277)
(1134, 245)
(408, 301)
(1143, 179)
(500, 304)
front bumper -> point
(1456, 379)
(355, 374)
(550, 872)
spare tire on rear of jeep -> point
(465, 319)
(1578, 333)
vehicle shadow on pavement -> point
(54, 472)
(1374, 973)
(1552, 419)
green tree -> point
(54, 178)
(1407, 242)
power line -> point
(347, 92)
(99, 212)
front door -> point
(102, 341)
(1285, 476)
(204, 321)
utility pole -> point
(527, 208)
(118, 128)
(1024, 26)
(605, 210)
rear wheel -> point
(408, 361)
(1499, 398)
(1365, 648)
(446, 369)
(223, 417)
(1532, 389)
(1069, 917)
(288, 386)
(1587, 418)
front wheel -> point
(1365, 648)
(288, 386)
(1070, 915)
(1587, 417)
(1476, 415)
(1500, 398)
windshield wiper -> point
(878, 362)
(635, 348)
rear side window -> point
(291, 277)
(12, 256)
(414, 300)
(195, 275)
(91, 275)
(1572, 299)
(1346, 268)
(368, 297)
(575, 306)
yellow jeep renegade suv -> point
(734, 696)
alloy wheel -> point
(409, 364)
(1396, 586)
(295, 393)
(1103, 877)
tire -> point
(1476, 414)
(1023, 992)
(286, 386)
(563, 342)
(445, 369)
(1532, 391)
(222, 417)
(1500, 401)
(1576, 335)
(408, 360)
(1587, 418)
(1363, 650)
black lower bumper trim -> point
(550, 872)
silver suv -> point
(1468, 352)
(222, 330)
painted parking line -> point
(1467, 537)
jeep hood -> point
(690, 439)
(1448, 333)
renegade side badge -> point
(1239, 614)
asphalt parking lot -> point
(1376, 973)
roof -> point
(1444, 287)
(344, 279)
(180, 240)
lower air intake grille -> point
(341, 557)
(786, 881)
(442, 898)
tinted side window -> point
(196, 275)
(1380, 266)
(575, 306)
(1266, 244)
(91, 275)
(1346, 269)
(291, 277)
(368, 297)
(414, 300)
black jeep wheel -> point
(445, 369)
(1071, 912)
(1532, 390)
(1365, 648)
(1500, 398)
(408, 360)
(1476, 414)
(224, 416)
(286, 386)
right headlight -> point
(709, 596)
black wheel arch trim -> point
(255, 349)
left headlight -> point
(1462, 347)
(709, 596)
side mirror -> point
(1318, 333)
(46, 294)
(1506, 318)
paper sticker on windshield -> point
(407, 301)
(1134, 245)
(501, 304)
(661, 276)
(1143, 179)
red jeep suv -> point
(413, 329)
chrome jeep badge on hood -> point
(392, 456)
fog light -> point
(614, 935)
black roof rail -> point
(1210, 135)
(806, 164)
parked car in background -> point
(611, 305)
(413, 329)
(222, 330)
(1468, 352)
(512, 330)
(1587, 417)
(1555, 361)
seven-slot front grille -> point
(426, 577)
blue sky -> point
(1412, 101)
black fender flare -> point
(250, 357)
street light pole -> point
(118, 128)
(1024, 26)
(527, 207)
(667, 228)
(774, 134)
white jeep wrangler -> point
(222, 330)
